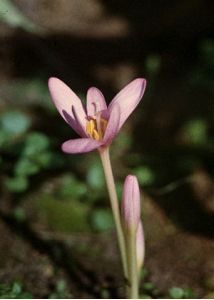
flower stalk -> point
(104, 155)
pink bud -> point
(131, 203)
(140, 246)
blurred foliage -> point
(94, 177)
(64, 216)
(19, 214)
(13, 291)
(71, 188)
(13, 124)
(34, 156)
(35, 143)
(145, 175)
(181, 293)
(26, 93)
(195, 132)
(153, 64)
(61, 291)
(11, 15)
(150, 291)
(102, 219)
(202, 74)
(16, 184)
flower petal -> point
(128, 98)
(95, 101)
(113, 125)
(131, 206)
(66, 101)
(80, 145)
(75, 122)
(140, 246)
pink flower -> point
(97, 124)
(131, 206)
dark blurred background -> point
(57, 236)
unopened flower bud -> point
(140, 246)
(131, 208)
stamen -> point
(96, 127)
(90, 126)
(96, 135)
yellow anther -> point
(90, 126)
(96, 131)
(95, 135)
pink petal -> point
(66, 101)
(80, 145)
(95, 101)
(81, 130)
(128, 98)
(113, 125)
(140, 246)
(131, 208)
(75, 123)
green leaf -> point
(13, 291)
(35, 143)
(176, 293)
(44, 159)
(17, 184)
(71, 188)
(19, 214)
(148, 286)
(15, 122)
(145, 175)
(189, 294)
(95, 178)
(16, 288)
(195, 132)
(25, 167)
(61, 291)
(102, 220)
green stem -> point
(104, 154)
(132, 265)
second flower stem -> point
(104, 154)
